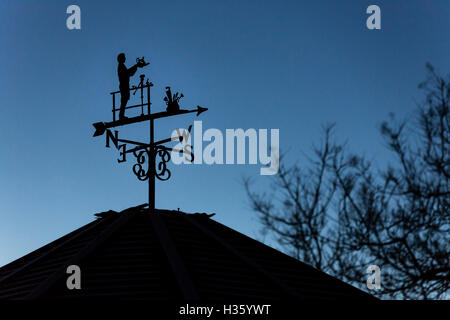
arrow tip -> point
(200, 110)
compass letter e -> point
(123, 153)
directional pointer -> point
(100, 127)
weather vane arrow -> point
(100, 127)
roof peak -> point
(144, 209)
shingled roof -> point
(165, 255)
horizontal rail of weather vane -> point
(134, 88)
(133, 142)
(142, 147)
(131, 107)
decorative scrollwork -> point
(138, 170)
(162, 173)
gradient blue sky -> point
(291, 65)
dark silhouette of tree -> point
(340, 214)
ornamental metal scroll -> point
(138, 168)
(162, 173)
(161, 170)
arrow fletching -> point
(100, 129)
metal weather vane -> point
(152, 157)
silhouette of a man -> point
(124, 82)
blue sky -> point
(289, 65)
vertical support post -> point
(148, 98)
(141, 84)
(151, 163)
(114, 106)
(152, 169)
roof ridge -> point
(81, 254)
(50, 250)
(278, 282)
(179, 270)
(142, 209)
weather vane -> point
(153, 154)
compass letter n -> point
(114, 138)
